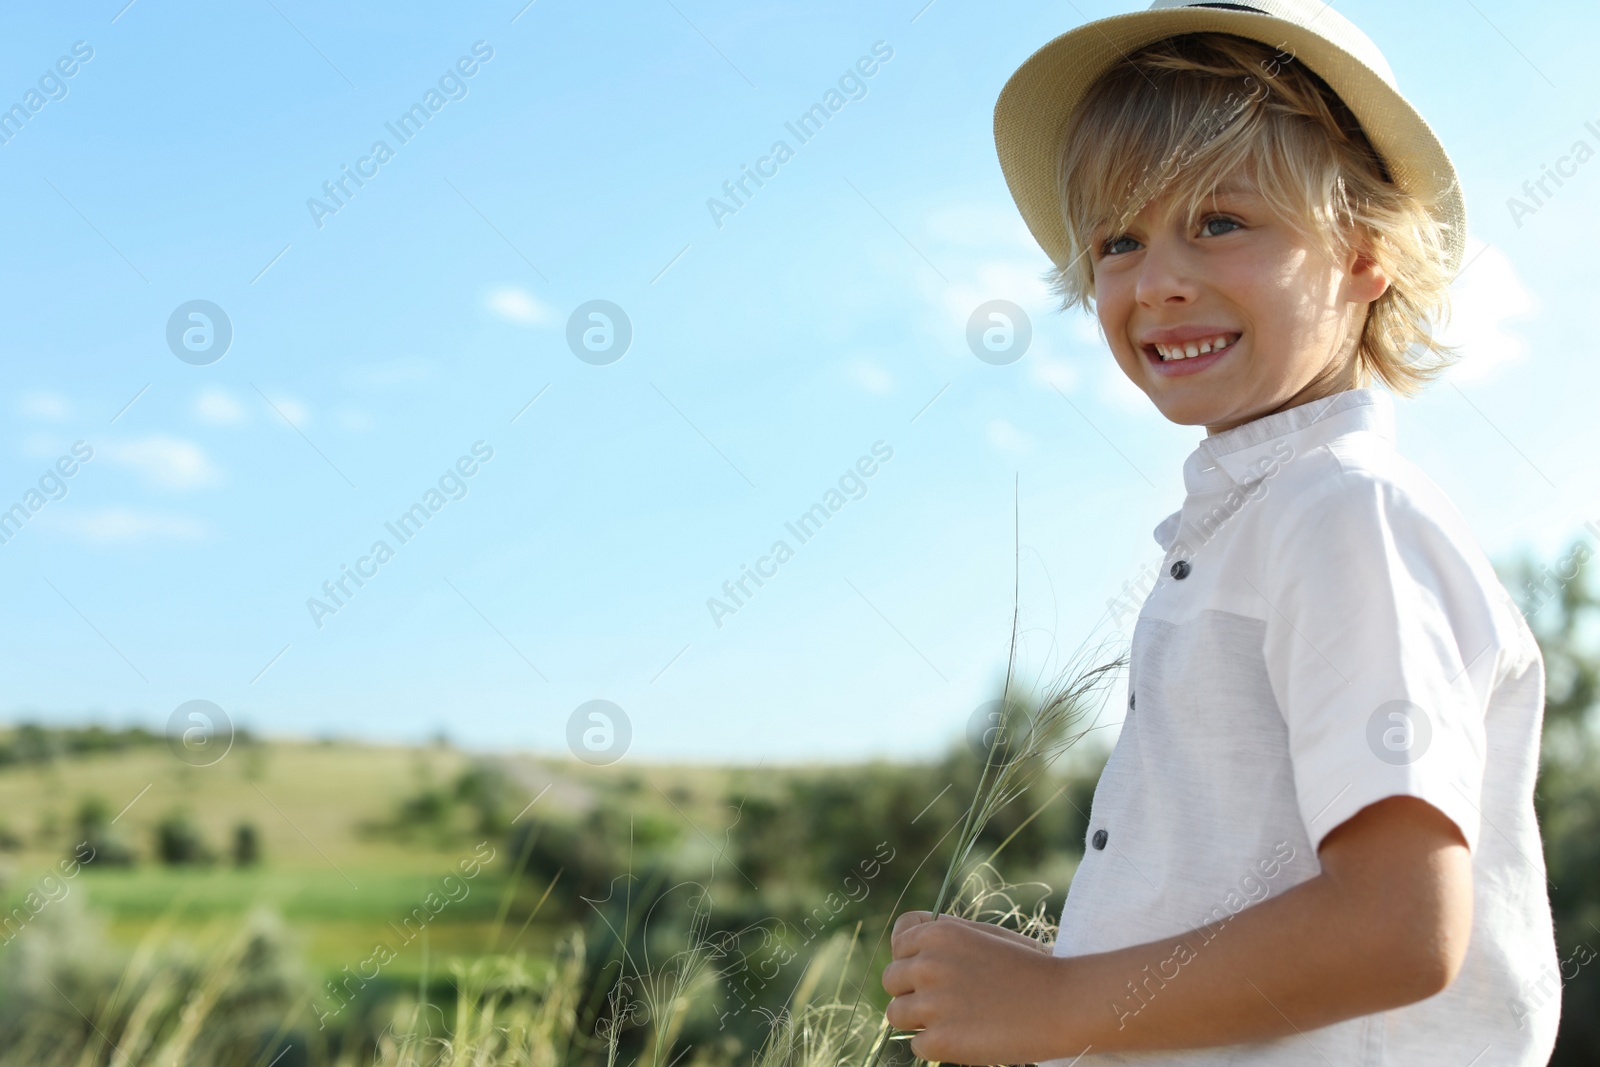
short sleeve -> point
(1380, 643)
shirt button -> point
(1180, 569)
(1130, 700)
(1099, 839)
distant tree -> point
(428, 807)
(599, 854)
(246, 845)
(487, 790)
(478, 803)
(95, 829)
(1560, 605)
(33, 743)
(178, 841)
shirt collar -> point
(1231, 458)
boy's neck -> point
(1333, 379)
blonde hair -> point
(1182, 114)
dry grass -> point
(235, 1000)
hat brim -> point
(1039, 100)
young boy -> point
(1314, 841)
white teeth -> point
(1190, 349)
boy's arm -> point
(1385, 924)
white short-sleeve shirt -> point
(1325, 632)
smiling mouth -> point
(1191, 349)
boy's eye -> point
(1108, 247)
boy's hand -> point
(912, 918)
(978, 993)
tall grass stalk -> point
(1044, 735)
(1041, 737)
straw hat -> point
(1041, 97)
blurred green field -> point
(306, 891)
(340, 888)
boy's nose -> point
(1166, 275)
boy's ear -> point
(1366, 279)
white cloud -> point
(996, 280)
(165, 462)
(521, 307)
(218, 406)
(1004, 262)
(871, 377)
(1484, 297)
(290, 408)
(40, 404)
(113, 525)
(1005, 437)
(1046, 370)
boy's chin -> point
(1194, 400)
(1186, 406)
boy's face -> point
(1290, 318)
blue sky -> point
(373, 347)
